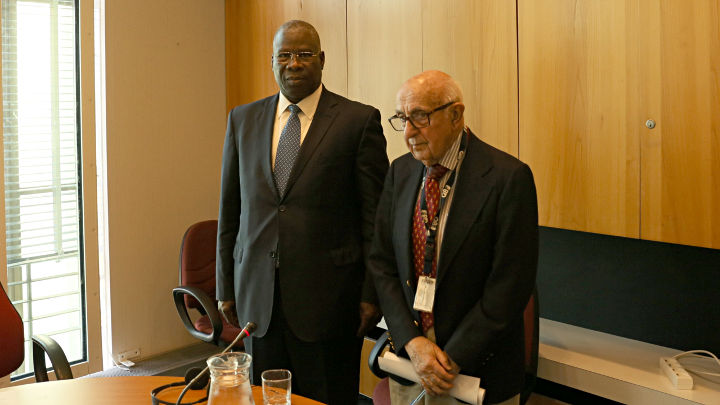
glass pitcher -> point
(230, 379)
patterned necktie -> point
(287, 150)
(419, 234)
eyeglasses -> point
(302, 56)
(419, 119)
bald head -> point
(431, 106)
(297, 25)
(432, 86)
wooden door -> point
(591, 74)
(578, 126)
(680, 169)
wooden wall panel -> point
(250, 26)
(384, 50)
(565, 85)
(681, 156)
(476, 43)
(575, 81)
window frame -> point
(87, 11)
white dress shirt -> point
(308, 105)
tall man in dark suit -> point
(301, 176)
(470, 249)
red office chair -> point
(12, 342)
(197, 286)
(531, 318)
(11, 336)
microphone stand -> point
(247, 330)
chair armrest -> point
(377, 351)
(209, 308)
(44, 344)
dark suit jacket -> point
(321, 229)
(487, 265)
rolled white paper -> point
(465, 387)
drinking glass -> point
(276, 386)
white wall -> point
(165, 67)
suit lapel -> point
(407, 197)
(472, 190)
(324, 116)
(266, 120)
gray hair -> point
(452, 91)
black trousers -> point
(326, 371)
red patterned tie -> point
(432, 197)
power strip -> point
(676, 373)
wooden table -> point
(108, 391)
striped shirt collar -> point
(450, 158)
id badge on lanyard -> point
(425, 293)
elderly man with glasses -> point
(301, 176)
(455, 252)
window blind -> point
(41, 164)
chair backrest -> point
(11, 336)
(531, 318)
(197, 259)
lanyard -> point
(431, 226)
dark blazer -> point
(486, 270)
(320, 231)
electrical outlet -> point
(676, 373)
(128, 355)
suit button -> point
(273, 254)
(416, 323)
(282, 208)
(408, 283)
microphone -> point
(249, 328)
